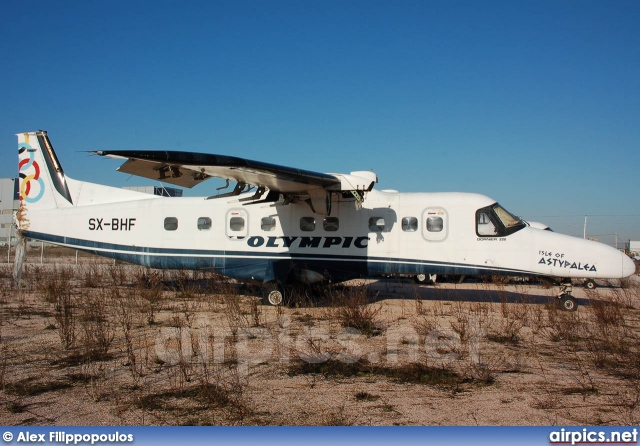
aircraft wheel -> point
(568, 303)
(590, 284)
(274, 294)
(421, 278)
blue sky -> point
(534, 103)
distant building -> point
(9, 203)
(157, 190)
(634, 248)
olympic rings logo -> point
(32, 175)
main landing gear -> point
(565, 299)
(425, 278)
(274, 293)
(293, 293)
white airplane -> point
(294, 226)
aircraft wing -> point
(188, 169)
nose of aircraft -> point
(628, 266)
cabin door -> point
(237, 224)
(435, 224)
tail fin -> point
(42, 181)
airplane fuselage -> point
(392, 233)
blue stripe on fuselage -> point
(254, 265)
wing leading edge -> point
(188, 169)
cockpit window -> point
(496, 221)
(508, 220)
(484, 225)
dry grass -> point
(128, 345)
(352, 307)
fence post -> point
(9, 244)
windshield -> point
(496, 221)
(507, 219)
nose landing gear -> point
(568, 303)
(565, 299)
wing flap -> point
(168, 173)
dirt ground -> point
(98, 343)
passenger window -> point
(376, 224)
(171, 223)
(435, 224)
(204, 223)
(409, 224)
(268, 224)
(307, 224)
(331, 224)
(236, 224)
